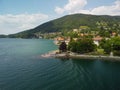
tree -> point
(63, 47)
(83, 45)
(72, 46)
(112, 45)
(106, 45)
(116, 43)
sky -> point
(20, 15)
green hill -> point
(69, 22)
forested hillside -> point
(101, 23)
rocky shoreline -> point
(80, 56)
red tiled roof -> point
(98, 38)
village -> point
(96, 38)
(101, 45)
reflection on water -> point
(23, 68)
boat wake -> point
(48, 55)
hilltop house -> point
(97, 39)
(113, 34)
(75, 30)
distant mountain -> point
(3, 36)
(70, 22)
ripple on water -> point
(63, 73)
(21, 69)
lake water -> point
(23, 68)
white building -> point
(97, 40)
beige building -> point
(97, 40)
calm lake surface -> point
(23, 68)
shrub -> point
(116, 53)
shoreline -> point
(79, 56)
(97, 57)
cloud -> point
(10, 23)
(72, 5)
(107, 10)
(59, 10)
(77, 6)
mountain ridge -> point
(68, 22)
